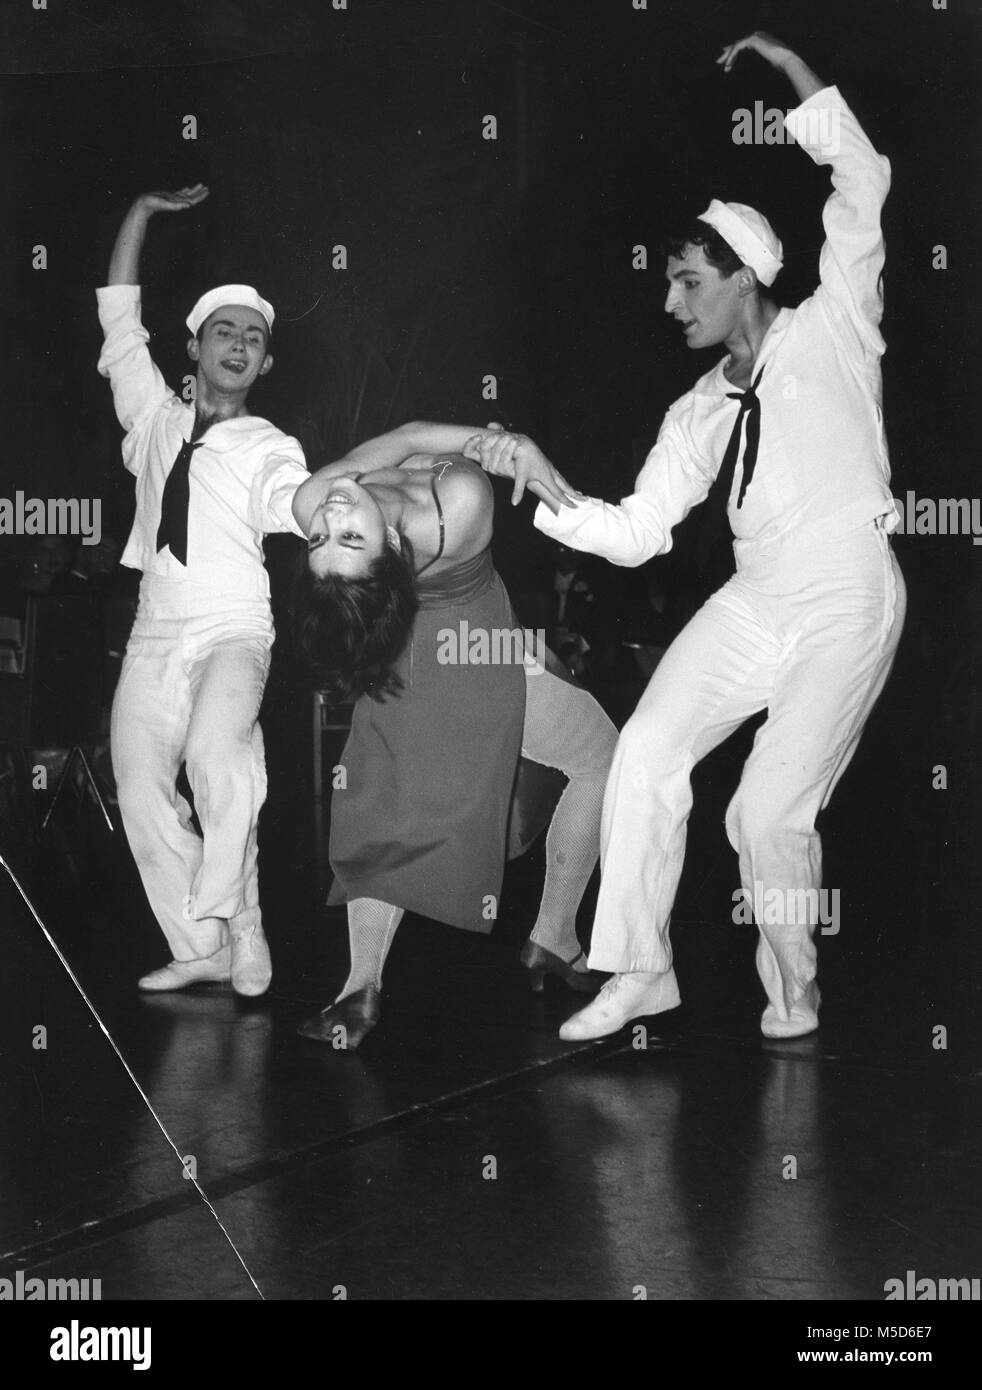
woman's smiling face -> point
(347, 530)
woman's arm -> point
(527, 466)
(391, 449)
(387, 450)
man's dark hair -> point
(718, 252)
(351, 632)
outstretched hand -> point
(124, 263)
(771, 49)
(515, 456)
(178, 201)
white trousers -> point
(189, 691)
(811, 639)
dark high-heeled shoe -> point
(346, 1023)
(540, 963)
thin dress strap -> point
(443, 529)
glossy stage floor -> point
(466, 1152)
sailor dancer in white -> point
(785, 436)
(211, 480)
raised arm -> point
(851, 262)
(852, 256)
(138, 387)
(124, 263)
(773, 51)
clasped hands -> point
(515, 456)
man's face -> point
(707, 304)
(231, 351)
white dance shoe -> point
(181, 973)
(252, 969)
(622, 998)
(803, 1016)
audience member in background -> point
(50, 559)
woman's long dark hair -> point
(351, 632)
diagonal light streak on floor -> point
(129, 1071)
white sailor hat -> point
(229, 294)
(750, 235)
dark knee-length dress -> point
(422, 822)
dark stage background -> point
(467, 257)
(513, 258)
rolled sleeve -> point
(670, 484)
(274, 488)
(137, 386)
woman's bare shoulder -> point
(463, 484)
(467, 501)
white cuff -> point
(814, 124)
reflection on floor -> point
(466, 1152)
